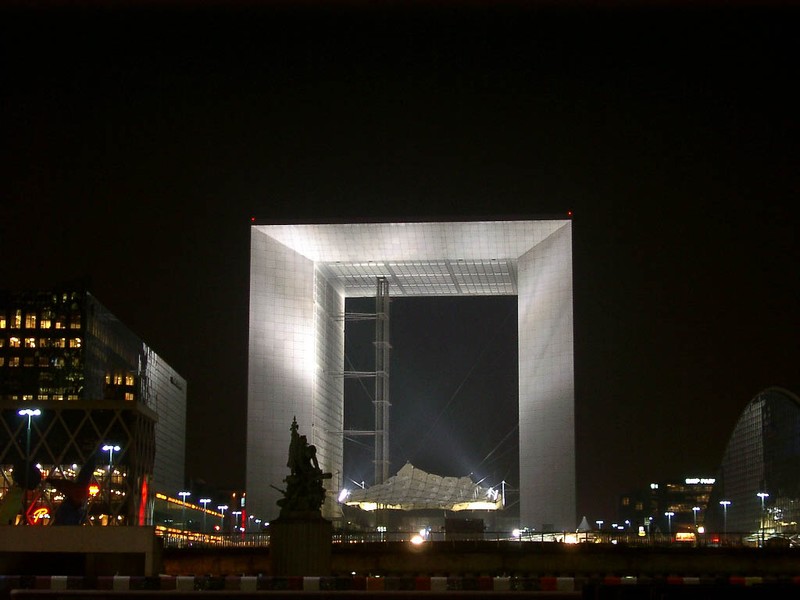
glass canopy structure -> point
(300, 275)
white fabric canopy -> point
(414, 489)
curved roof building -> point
(759, 477)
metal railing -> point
(707, 540)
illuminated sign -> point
(94, 489)
(699, 480)
(40, 513)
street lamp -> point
(204, 502)
(695, 510)
(110, 448)
(599, 524)
(669, 514)
(763, 496)
(222, 508)
(235, 514)
(725, 504)
(183, 496)
(27, 412)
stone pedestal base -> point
(300, 546)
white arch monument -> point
(300, 275)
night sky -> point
(137, 143)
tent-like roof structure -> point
(414, 489)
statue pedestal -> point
(300, 544)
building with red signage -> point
(81, 396)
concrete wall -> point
(493, 559)
(80, 550)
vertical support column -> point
(382, 348)
(546, 385)
(282, 364)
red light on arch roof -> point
(252, 219)
(569, 213)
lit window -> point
(30, 320)
(108, 378)
(14, 397)
(75, 343)
(14, 342)
(129, 396)
(2, 361)
(2, 342)
(60, 343)
(75, 322)
(58, 362)
(3, 323)
(44, 361)
(117, 379)
(30, 342)
(44, 342)
(27, 397)
(46, 321)
(42, 397)
(59, 397)
(13, 361)
(16, 320)
(27, 361)
(72, 397)
(60, 320)
(128, 379)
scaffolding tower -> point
(382, 348)
(381, 376)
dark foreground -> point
(395, 588)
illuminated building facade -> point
(300, 275)
(96, 384)
(759, 477)
(686, 499)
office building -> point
(757, 492)
(97, 385)
(686, 500)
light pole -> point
(27, 412)
(222, 508)
(725, 504)
(695, 510)
(599, 525)
(110, 448)
(204, 502)
(763, 496)
(183, 496)
(235, 525)
(669, 514)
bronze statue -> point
(304, 490)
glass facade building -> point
(759, 477)
(300, 275)
(96, 384)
